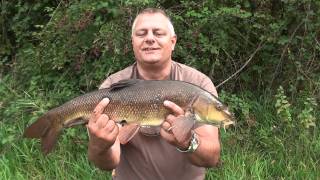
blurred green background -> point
(268, 51)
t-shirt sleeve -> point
(116, 77)
(208, 85)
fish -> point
(134, 103)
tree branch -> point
(244, 65)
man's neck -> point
(154, 72)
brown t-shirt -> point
(147, 156)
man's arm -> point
(208, 152)
(104, 146)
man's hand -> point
(168, 124)
(103, 131)
(208, 153)
(104, 146)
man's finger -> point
(115, 131)
(102, 121)
(170, 119)
(98, 110)
(177, 110)
(110, 125)
(166, 126)
(167, 136)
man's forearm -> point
(106, 159)
(207, 154)
(208, 151)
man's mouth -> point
(148, 49)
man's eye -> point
(159, 34)
(140, 34)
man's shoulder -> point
(118, 76)
(192, 75)
(122, 74)
(188, 70)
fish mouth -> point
(224, 124)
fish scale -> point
(136, 101)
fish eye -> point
(123, 122)
(219, 106)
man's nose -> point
(150, 38)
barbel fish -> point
(139, 103)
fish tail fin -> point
(45, 130)
(37, 129)
(49, 140)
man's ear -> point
(173, 41)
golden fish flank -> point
(139, 102)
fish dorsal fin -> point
(127, 132)
(123, 83)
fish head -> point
(209, 109)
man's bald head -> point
(154, 11)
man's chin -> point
(150, 61)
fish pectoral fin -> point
(182, 126)
(122, 84)
(127, 132)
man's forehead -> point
(152, 20)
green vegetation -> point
(51, 51)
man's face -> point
(152, 40)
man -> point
(154, 153)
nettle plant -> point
(283, 107)
(307, 117)
(301, 113)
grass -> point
(22, 159)
(249, 161)
(266, 149)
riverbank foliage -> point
(267, 51)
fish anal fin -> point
(182, 126)
(122, 84)
(127, 132)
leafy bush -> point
(87, 40)
(52, 51)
